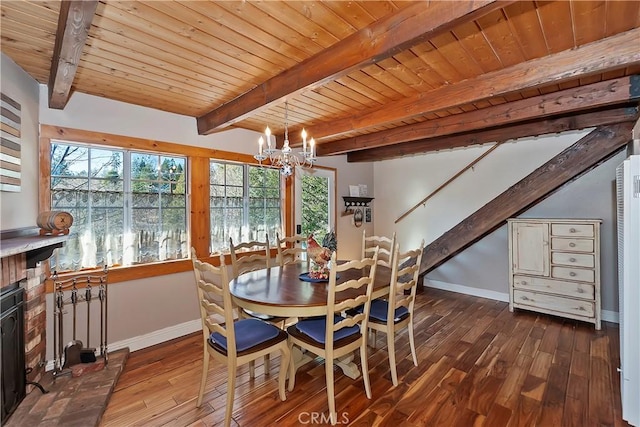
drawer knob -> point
(580, 290)
(572, 230)
(572, 245)
(572, 259)
(572, 274)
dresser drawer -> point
(568, 244)
(556, 287)
(571, 259)
(526, 299)
(581, 274)
(572, 230)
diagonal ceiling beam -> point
(615, 91)
(74, 22)
(608, 54)
(380, 40)
(499, 134)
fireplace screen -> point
(12, 350)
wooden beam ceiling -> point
(382, 39)
(577, 159)
(498, 134)
(598, 57)
(74, 22)
(610, 92)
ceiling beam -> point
(608, 54)
(74, 23)
(498, 134)
(382, 39)
(609, 92)
(587, 153)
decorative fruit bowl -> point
(318, 272)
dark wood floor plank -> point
(479, 364)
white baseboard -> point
(607, 315)
(467, 290)
(157, 337)
(152, 338)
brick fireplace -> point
(22, 254)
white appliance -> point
(628, 210)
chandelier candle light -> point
(286, 159)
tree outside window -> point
(128, 207)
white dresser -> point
(554, 267)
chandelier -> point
(286, 159)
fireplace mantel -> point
(28, 240)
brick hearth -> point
(71, 401)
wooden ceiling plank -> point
(353, 13)
(446, 72)
(404, 74)
(73, 28)
(254, 40)
(38, 10)
(476, 45)
(194, 48)
(286, 12)
(503, 41)
(13, 17)
(382, 39)
(128, 62)
(502, 133)
(321, 16)
(570, 100)
(557, 25)
(621, 16)
(379, 72)
(373, 96)
(588, 24)
(523, 19)
(144, 55)
(143, 78)
(454, 52)
(289, 42)
(572, 162)
(573, 63)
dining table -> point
(281, 291)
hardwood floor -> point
(479, 365)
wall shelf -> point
(352, 203)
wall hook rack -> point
(352, 203)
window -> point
(128, 207)
(245, 203)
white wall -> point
(482, 269)
(20, 209)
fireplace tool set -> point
(70, 295)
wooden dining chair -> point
(232, 342)
(258, 256)
(334, 335)
(385, 247)
(394, 313)
(290, 249)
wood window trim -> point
(198, 169)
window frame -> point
(197, 193)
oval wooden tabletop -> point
(279, 291)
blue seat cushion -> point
(249, 333)
(380, 308)
(316, 328)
